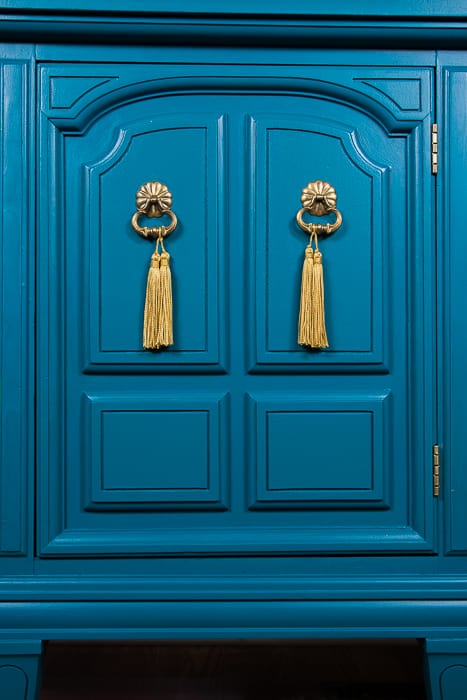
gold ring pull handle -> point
(319, 198)
(319, 228)
(154, 200)
(154, 231)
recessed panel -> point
(122, 296)
(142, 450)
(318, 450)
(108, 262)
(292, 153)
(321, 452)
(158, 453)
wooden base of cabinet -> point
(20, 666)
(446, 669)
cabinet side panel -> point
(15, 337)
(454, 330)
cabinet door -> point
(235, 439)
(453, 330)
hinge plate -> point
(434, 149)
(435, 470)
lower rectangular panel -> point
(325, 452)
(155, 453)
(152, 475)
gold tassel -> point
(311, 323)
(319, 336)
(305, 321)
(158, 323)
(165, 337)
(152, 304)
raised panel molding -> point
(405, 94)
(115, 258)
(66, 92)
(15, 290)
(380, 101)
(113, 484)
(331, 433)
(113, 342)
(155, 453)
(363, 318)
(221, 534)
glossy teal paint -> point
(16, 308)
(235, 485)
(454, 75)
(446, 668)
(236, 152)
(410, 8)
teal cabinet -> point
(234, 484)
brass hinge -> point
(435, 470)
(434, 149)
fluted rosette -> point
(319, 197)
(153, 199)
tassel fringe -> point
(165, 308)
(311, 324)
(158, 313)
(305, 327)
(153, 292)
(319, 336)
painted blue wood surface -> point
(16, 308)
(454, 329)
(367, 8)
(446, 668)
(248, 153)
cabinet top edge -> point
(363, 9)
(157, 29)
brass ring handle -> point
(319, 228)
(154, 231)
